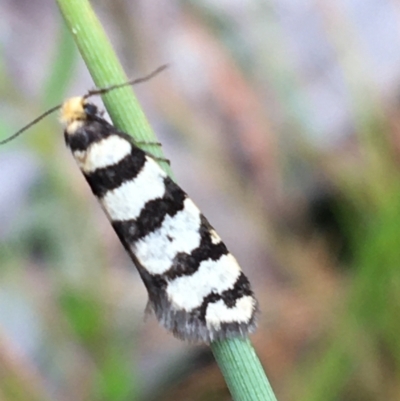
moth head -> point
(73, 109)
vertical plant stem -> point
(239, 364)
(106, 70)
(242, 370)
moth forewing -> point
(196, 287)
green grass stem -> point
(238, 362)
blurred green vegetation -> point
(57, 261)
(55, 240)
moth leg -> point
(151, 143)
(160, 159)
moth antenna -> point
(93, 92)
(102, 91)
(36, 120)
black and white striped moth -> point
(195, 286)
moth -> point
(195, 286)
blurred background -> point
(282, 121)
